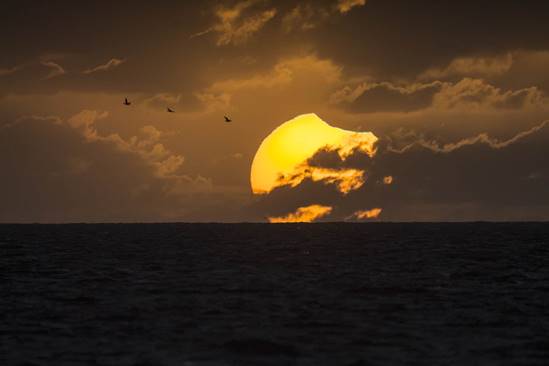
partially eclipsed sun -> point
(282, 159)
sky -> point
(454, 91)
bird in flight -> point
(227, 119)
(170, 110)
(126, 102)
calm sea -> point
(258, 294)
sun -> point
(282, 157)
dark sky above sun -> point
(456, 92)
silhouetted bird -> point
(227, 119)
(170, 110)
(126, 102)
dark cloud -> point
(479, 179)
(403, 38)
(388, 39)
(57, 171)
(74, 181)
(525, 71)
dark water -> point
(322, 294)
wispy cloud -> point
(10, 70)
(472, 67)
(303, 17)
(467, 94)
(50, 119)
(234, 27)
(55, 69)
(162, 100)
(201, 33)
(111, 64)
(476, 94)
(345, 6)
(482, 138)
(310, 15)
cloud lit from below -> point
(303, 214)
(366, 214)
(346, 180)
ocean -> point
(288, 294)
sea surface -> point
(259, 294)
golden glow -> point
(282, 158)
(303, 214)
(346, 180)
(388, 179)
(367, 214)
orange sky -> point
(455, 93)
